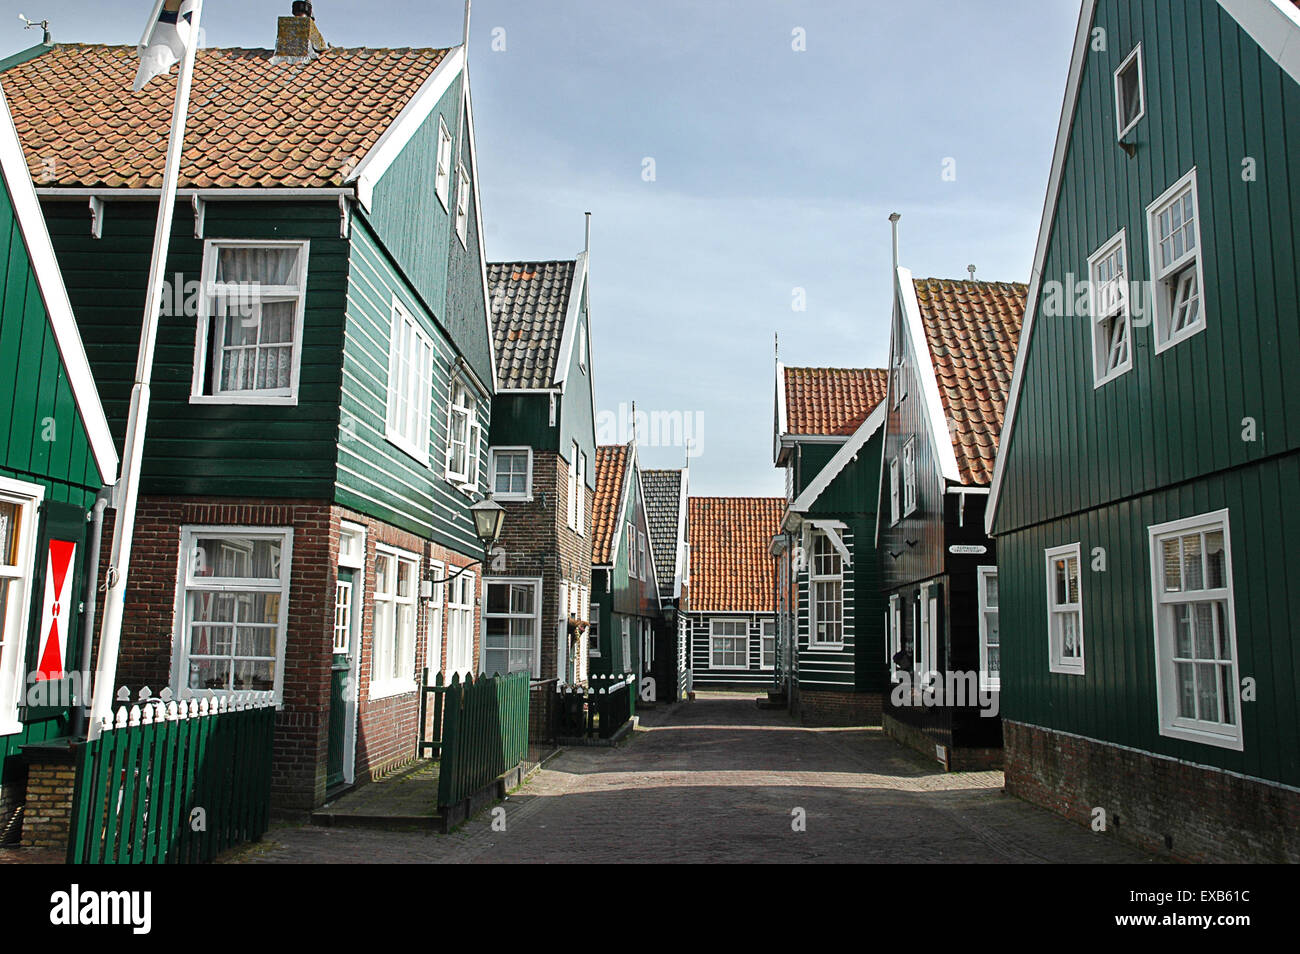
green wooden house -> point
(56, 456)
(626, 610)
(1143, 502)
(323, 378)
(542, 470)
(831, 645)
(666, 496)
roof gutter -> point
(228, 195)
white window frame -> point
(763, 639)
(633, 570)
(715, 635)
(814, 580)
(580, 494)
(643, 554)
(1117, 244)
(1171, 724)
(1055, 661)
(1123, 130)
(420, 386)
(582, 347)
(442, 172)
(625, 631)
(209, 325)
(461, 594)
(895, 503)
(535, 582)
(572, 506)
(909, 477)
(462, 205)
(21, 577)
(468, 408)
(593, 631)
(497, 453)
(185, 584)
(352, 546)
(982, 574)
(395, 685)
(895, 630)
(1166, 279)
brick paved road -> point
(717, 780)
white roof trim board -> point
(875, 420)
(926, 378)
(1273, 24)
(478, 222)
(31, 223)
(683, 543)
(577, 289)
(408, 122)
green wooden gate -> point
(484, 733)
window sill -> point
(824, 647)
(269, 400)
(1191, 332)
(511, 498)
(407, 448)
(392, 687)
(1112, 376)
(1202, 736)
(1066, 670)
(10, 727)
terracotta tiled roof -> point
(251, 124)
(663, 502)
(611, 468)
(831, 400)
(529, 302)
(972, 329)
(731, 569)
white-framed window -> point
(572, 519)
(895, 504)
(460, 623)
(580, 493)
(728, 644)
(343, 603)
(593, 632)
(1130, 93)
(512, 473)
(435, 612)
(990, 640)
(233, 609)
(1195, 631)
(397, 587)
(19, 512)
(248, 343)
(582, 346)
(825, 595)
(464, 435)
(767, 651)
(410, 384)
(512, 626)
(647, 645)
(442, 175)
(909, 476)
(626, 643)
(462, 205)
(1174, 227)
(633, 568)
(894, 626)
(1112, 347)
(898, 370)
(1065, 609)
(643, 554)
(352, 546)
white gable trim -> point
(478, 221)
(571, 317)
(1274, 25)
(778, 441)
(621, 519)
(402, 129)
(832, 530)
(875, 420)
(945, 456)
(683, 544)
(31, 223)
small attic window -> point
(1130, 96)
(582, 346)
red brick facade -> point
(1160, 804)
(820, 707)
(387, 731)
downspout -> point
(90, 603)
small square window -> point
(512, 473)
(1130, 97)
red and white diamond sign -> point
(58, 609)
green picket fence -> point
(484, 733)
(174, 782)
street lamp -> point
(488, 518)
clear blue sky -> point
(775, 169)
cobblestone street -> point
(720, 780)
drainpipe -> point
(90, 602)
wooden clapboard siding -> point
(1213, 99)
(821, 668)
(1115, 700)
(375, 476)
(214, 449)
(702, 673)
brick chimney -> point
(297, 39)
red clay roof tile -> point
(611, 468)
(831, 401)
(731, 569)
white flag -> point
(165, 40)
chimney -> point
(297, 38)
(971, 269)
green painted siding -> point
(1115, 700)
(214, 449)
(1213, 99)
(374, 475)
(409, 220)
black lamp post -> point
(489, 516)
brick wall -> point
(955, 758)
(538, 543)
(1194, 812)
(47, 817)
(822, 707)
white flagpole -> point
(128, 487)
